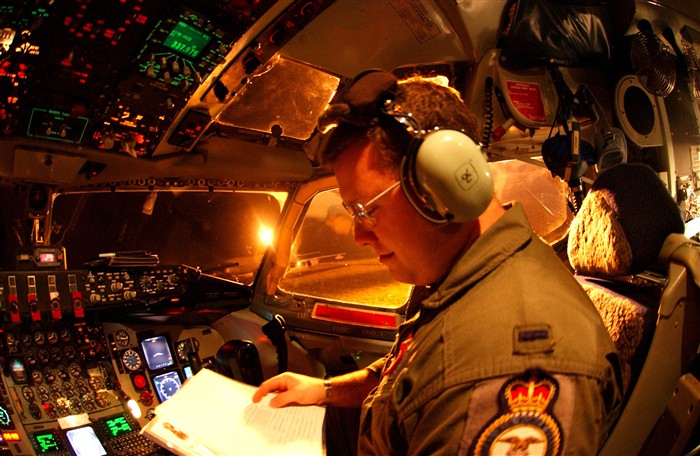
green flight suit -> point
(507, 353)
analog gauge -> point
(44, 355)
(52, 337)
(30, 357)
(37, 376)
(35, 411)
(121, 337)
(65, 335)
(82, 386)
(68, 390)
(43, 393)
(5, 419)
(168, 386)
(183, 347)
(39, 338)
(74, 370)
(88, 403)
(12, 343)
(56, 391)
(56, 354)
(69, 352)
(132, 360)
(28, 394)
(26, 339)
(49, 375)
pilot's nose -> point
(363, 235)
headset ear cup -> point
(447, 179)
(412, 191)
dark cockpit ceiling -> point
(131, 90)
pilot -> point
(505, 354)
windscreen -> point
(222, 233)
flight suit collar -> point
(506, 236)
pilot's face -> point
(415, 250)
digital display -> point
(166, 385)
(18, 372)
(186, 40)
(156, 350)
(187, 370)
(47, 257)
(84, 442)
(5, 419)
(117, 426)
(46, 442)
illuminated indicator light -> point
(109, 33)
(355, 316)
(11, 436)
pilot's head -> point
(417, 206)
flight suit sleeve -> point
(377, 366)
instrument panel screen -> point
(187, 40)
(46, 442)
(167, 384)
(157, 352)
(116, 426)
(85, 442)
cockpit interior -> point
(163, 209)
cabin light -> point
(266, 235)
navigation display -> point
(167, 384)
(157, 352)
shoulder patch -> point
(524, 425)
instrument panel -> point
(63, 359)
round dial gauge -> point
(168, 387)
(28, 394)
(52, 337)
(121, 337)
(132, 360)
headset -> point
(444, 173)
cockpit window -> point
(222, 233)
(327, 263)
(542, 196)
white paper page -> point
(213, 414)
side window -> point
(326, 262)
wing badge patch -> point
(524, 426)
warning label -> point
(526, 98)
(417, 17)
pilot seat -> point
(628, 251)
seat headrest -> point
(623, 222)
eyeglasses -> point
(361, 213)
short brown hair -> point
(432, 105)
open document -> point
(214, 415)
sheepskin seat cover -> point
(622, 223)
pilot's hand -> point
(292, 389)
